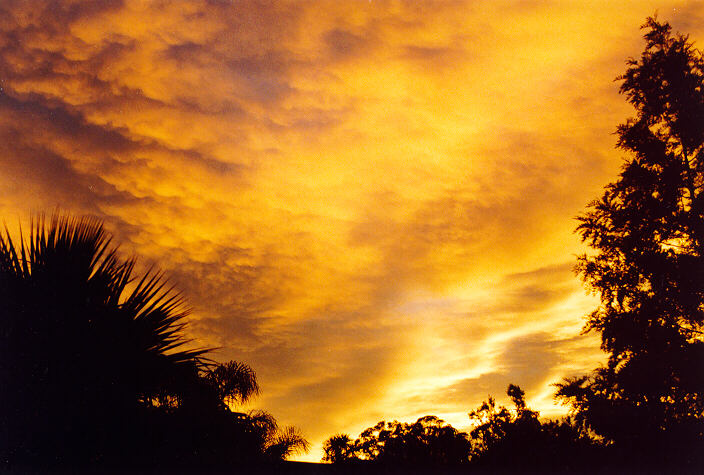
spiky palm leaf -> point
(75, 340)
(75, 257)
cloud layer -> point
(369, 202)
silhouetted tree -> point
(234, 382)
(647, 265)
(214, 386)
(500, 426)
(280, 443)
(516, 439)
(501, 439)
(94, 371)
(426, 442)
(80, 348)
(338, 449)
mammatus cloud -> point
(369, 202)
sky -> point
(372, 203)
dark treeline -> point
(95, 370)
(501, 438)
(96, 373)
(643, 410)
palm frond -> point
(287, 442)
(235, 382)
(73, 278)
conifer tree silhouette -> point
(647, 263)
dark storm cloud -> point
(53, 16)
(21, 64)
(189, 52)
(262, 76)
(427, 53)
(33, 38)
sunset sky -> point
(370, 202)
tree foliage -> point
(500, 426)
(647, 236)
(338, 449)
(427, 442)
(517, 438)
(500, 438)
(234, 382)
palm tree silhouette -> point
(83, 343)
(95, 369)
(234, 382)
